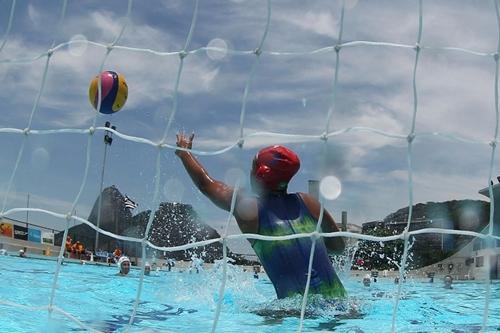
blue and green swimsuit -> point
(286, 262)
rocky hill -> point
(115, 217)
(458, 212)
(174, 224)
(428, 248)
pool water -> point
(182, 302)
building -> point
(482, 256)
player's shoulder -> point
(307, 196)
(309, 200)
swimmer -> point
(124, 265)
(255, 272)
(448, 281)
(147, 268)
(275, 212)
(366, 280)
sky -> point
(290, 92)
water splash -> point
(344, 262)
(241, 288)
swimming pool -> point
(182, 302)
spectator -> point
(69, 245)
(170, 264)
(78, 249)
(117, 254)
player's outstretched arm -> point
(218, 192)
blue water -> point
(182, 302)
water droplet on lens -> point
(173, 190)
(218, 49)
(330, 187)
(40, 159)
(78, 45)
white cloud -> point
(108, 24)
(374, 89)
(433, 186)
(320, 22)
(34, 15)
(54, 204)
(365, 175)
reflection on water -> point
(156, 312)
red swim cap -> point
(274, 166)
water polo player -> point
(275, 212)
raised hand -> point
(184, 142)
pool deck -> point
(50, 252)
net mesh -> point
(163, 147)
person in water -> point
(147, 268)
(123, 266)
(367, 280)
(274, 212)
(448, 281)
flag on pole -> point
(129, 203)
